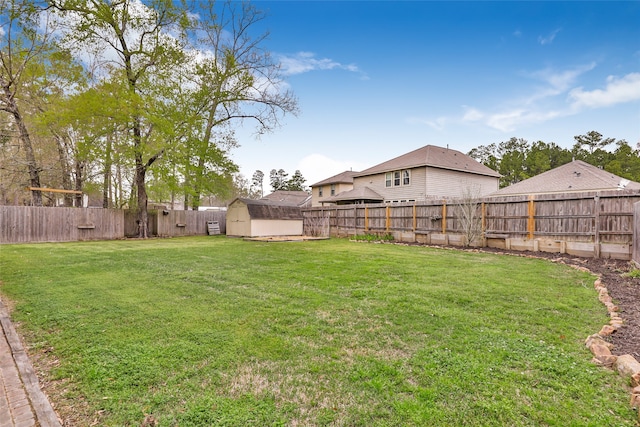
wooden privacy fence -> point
(168, 223)
(595, 224)
(26, 224)
(636, 234)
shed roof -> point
(267, 209)
(433, 156)
(345, 177)
(576, 176)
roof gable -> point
(432, 156)
(575, 176)
(345, 177)
(361, 193)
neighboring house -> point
(574, 177)
(426, 173)
(327, 188)
(298, 198)
(260, 218)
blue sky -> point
(377, 79)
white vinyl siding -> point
(317, 198)
(448, 183)
(428, 183)
(413, 191)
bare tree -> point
(316, 223)
(469, 214)
(236, 78)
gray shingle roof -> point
(576, 176)
(267, 209)
(437, 157)
(298, 198)
(362, 193)
(345, 177)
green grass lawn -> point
(216, 331)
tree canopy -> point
(517, 159)
(145, 99)
(279, 181)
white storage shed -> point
(263, 218)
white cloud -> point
(548, 39)
(544, 103)
(472, 114)
(304, 62)
(507, 121)
(316, 167)
(562, 80)
(617, 91)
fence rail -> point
(598, 224)
(26, 224)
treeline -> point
(517, 159)
(131, 100)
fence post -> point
(483, 222)
(635, 257)
(388, 219)
(444, 217)
(531, 223)
(366, 219)
(415, 219)
(596, 232)
(355, 220)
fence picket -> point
(603, 222)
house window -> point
(396, 178)
(333, 189)
(320, 191)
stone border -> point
(626, 365)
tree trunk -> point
(119, 198)
(195, 202)
(141, 190)
(65, 169)
(79, 180)
(204, 145)
(34, 171)
(106, 184)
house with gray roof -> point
(327, 188)
(574, 177)
(297, 198)
(429, 172)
